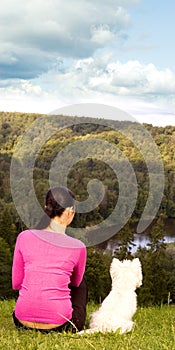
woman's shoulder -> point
(24, 236)
(56, 239)
(76, 242)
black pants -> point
(79, 297)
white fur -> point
(118, 308)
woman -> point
(48, 268)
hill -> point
(122, 156)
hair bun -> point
(48, 209)
(57, 199)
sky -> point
(55, 53)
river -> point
(142, 239)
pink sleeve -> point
(79, 268)
(18, 267)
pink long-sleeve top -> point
(44, 264)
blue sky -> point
(55, 53)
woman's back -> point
(44, 265)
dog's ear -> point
(138, 268)
(116, 261)
(115, 265)
(136, 262)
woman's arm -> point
(79, 268)
(17, 267)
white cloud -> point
(101, 34)
(53, 28)
(103, 75)
(137, 88)
(132, 78)
(54, 53)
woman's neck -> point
(55, 226)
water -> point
(142, 239)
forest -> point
(109, 147)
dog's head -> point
(128, 272)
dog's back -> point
(120, 305)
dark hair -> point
(57, 199)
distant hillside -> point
(92, 136)
(108, 146)
(13, 125)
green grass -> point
(154, 330)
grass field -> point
(154, 330)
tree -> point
(8, 228)
(155, 287)
(125, 243)
(170, 270)
(5, 270)
(97, 274)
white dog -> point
(118, 308)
